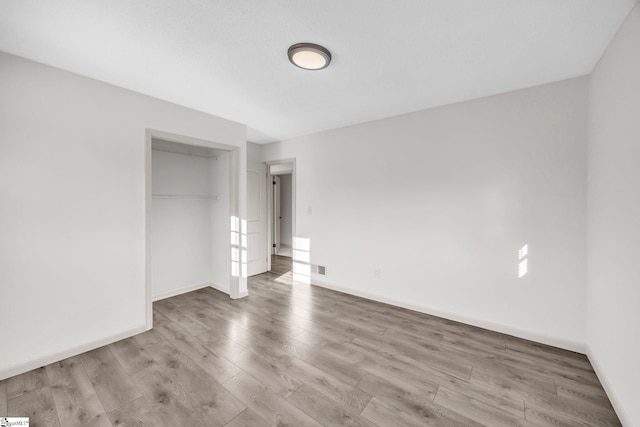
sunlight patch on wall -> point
(238, 241)
(523, 266)
(523, 251)
(302, 259)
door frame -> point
(234, 204)
(292, 171)
(276, 214)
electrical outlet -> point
(376, 273)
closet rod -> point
(183, 197)
(166, 150)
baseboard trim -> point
(181, 291)
(243, 294)
(219, 287)
(505, 329)
(61, 355)
(191, 288)
(624, 417)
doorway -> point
(281, 212)
(282, 215)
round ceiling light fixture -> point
(309, 56)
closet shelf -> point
(183, 197)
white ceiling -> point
(229, 57)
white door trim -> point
(234, 204)
(292, 171)
(276, 214)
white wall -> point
(285, 210)
(221, 229)
(254, 152)
(72, 217)
(191, 232)
(441, 200)
(614, 220)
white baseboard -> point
(220, 288)
(243, 294)
(61, 355)
(624, 417)
(184, 289)
(191, 288)
(505, 329)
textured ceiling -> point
(229, 58)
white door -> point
(277, 217)
(256, 218)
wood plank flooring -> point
(299, 355)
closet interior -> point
(190, 218)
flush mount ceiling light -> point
(309, 56)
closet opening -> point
(193, 227)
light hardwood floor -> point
(297, 355)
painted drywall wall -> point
(285, 210)
(190, 222)
(254, 152)
(72, 217)
(614, 220)
(440, 201)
